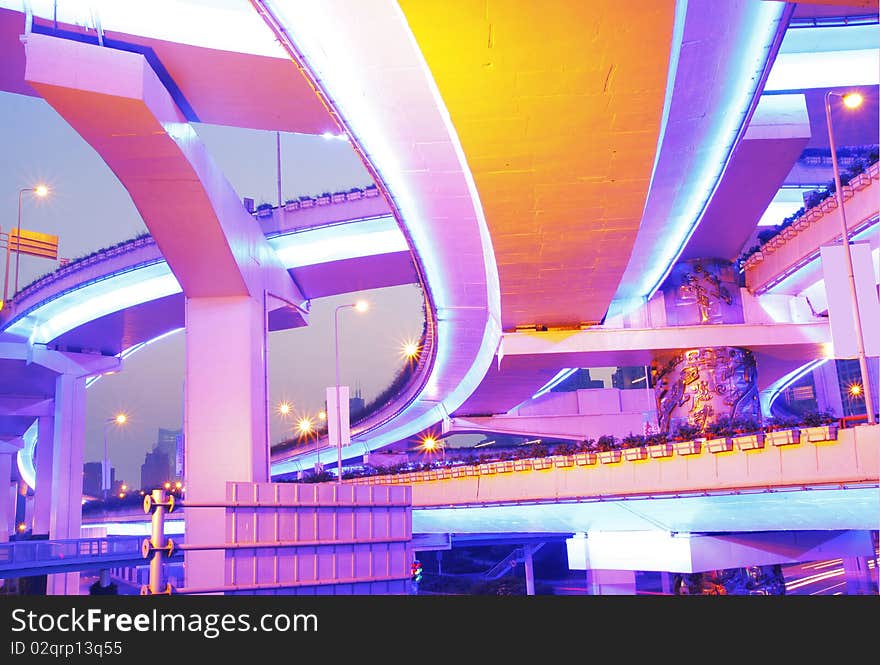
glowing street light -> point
(284, 408)
(851, 101)
(855, 390)
(119, 419)
(410, 350)
(430, 444)
(360, 306)
(304, 426)
(322, 415)
(40, 191)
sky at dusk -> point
(88, 209)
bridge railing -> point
(23, 554)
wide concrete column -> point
(43, 482)
(698, 386)
(65, 511)
(225, 419)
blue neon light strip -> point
(760, 25)
(769, 395)
(25, 457)
(561, 376)
(341, 86)
(135, 286)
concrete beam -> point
(26, 405)
(600, 347)
(117, 103)
(76, 364)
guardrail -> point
(28, 557)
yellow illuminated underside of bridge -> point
(558, 108)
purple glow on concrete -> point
(91, 301)
(361, 82)
(681, 189)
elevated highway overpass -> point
(504, 222)
(677, 512)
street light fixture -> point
(40, 191)
(430, 444)
(119, 419)
(850, 101)
(359, 306)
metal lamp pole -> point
(857, 318)
(105, 468)
(118, 419)
(41, 191)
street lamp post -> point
(118, 419)
(360, 306)
(850, 101)
(41, 191)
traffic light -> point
(416, 571)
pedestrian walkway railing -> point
(28, 557)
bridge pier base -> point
(65, 513)
(43, 481)
(225, 422)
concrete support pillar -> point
(43, 483)
(666, 583)
(65, 512)
(529, 566)
(7, 496)
(225, 419)
(21, 498)
(611, 582)
(858, 576)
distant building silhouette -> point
(164, 462)
(155, 470)
(356, 403)
(580, 380)
(92, 478)
(626, 378)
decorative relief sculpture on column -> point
(702, 292)
(699, 386)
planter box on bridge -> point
(752, 441)
(660, 450)
(784, 437)
(722, 444)
(819, 433)
(688, 447)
